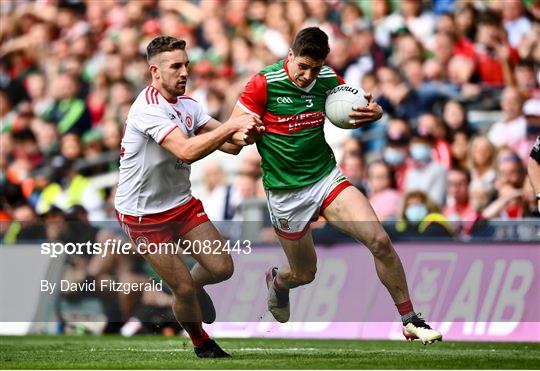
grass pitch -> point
(155, 352)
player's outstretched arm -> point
(366, 114)
(193, 149)
(238, 140)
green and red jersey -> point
(293, 149)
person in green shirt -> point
(302, 180)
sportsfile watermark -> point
(143, 246)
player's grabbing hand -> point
(365, 114)
(248, 129)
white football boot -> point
(419, 329)
(278, 301)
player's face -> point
(303, 69)
(172, 71)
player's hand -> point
(254, 134)
(364, 115)
(248, 130)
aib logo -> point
(284, 100)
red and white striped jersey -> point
(151, 179)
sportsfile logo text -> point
(117, 246)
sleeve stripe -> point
(167, 133)
(247, 110)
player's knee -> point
(381, 247)
(184, 292)
(224, 271)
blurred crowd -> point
(458, 80)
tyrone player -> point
(302, 181)
(165, 132)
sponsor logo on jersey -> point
(284, 100)
(284, 224)
(200, 214)
(172, 116)
(343, 88)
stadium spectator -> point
(458, 208)
(68, 188)
(25, 227)
(466, 20)
(386, 22)
(481, 194)
(419, 21)
(492, 54)
(69, 112)
(365, 54)
(397, 98)
(515, 21)
(459, 148)
(482, 156)
(443, 49)
(454, 116)
(354, 169)
(419, 216)
(396, 152)
(430, 124)
(425, 174)
(407, 47)
(217, 193)
(512, 130)
(383, 195)
(413, 72)
(509, 181)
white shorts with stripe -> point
(292, 210)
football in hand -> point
(340, 102)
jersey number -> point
(309, 103)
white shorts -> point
(292, 210)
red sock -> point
(199, 339)
(405, 308)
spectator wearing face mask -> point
(425, 174)
(420, 216)
(396, 151)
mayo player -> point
(165, 132)
(302, 180)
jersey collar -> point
(170, 101)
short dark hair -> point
(311, 42)
(163, 44)
(490, 18)
(462, 170)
